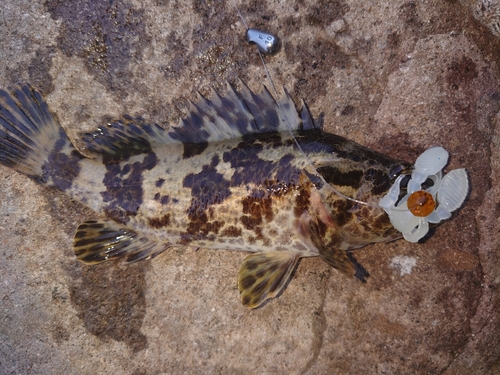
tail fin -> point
(31, 140)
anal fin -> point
(264, 275)
(97, 241)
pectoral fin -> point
(328, 240)
(338, 259)
(264, 275)
(344, 262)
(97, 241)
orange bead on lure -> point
(421, 203)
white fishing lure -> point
(419, 207)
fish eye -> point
(396, 170)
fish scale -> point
(230, 176)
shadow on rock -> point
(110, 300)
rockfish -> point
(242, 171)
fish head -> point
(350, 180)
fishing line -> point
(287, 120)
(239, 14)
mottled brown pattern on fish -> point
(62, 165)
(336, 176)
(162, 222)
(230, 176)
(357, 225)
(341, 209)
(208, 188)
(192, 149)
(380, 182)
(381, 222)
(236, 189)
(231, 231)
(123, 182)
(255, 210)
(163, 199)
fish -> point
(241, 171)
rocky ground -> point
(398, 76)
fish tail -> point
(31, 140)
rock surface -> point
(398, 76)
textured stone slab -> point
(397, 76)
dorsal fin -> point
(125, 138)
(209, 120)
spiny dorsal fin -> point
(97, 241)
(308, 123)
(209, 120)
(264, 275)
